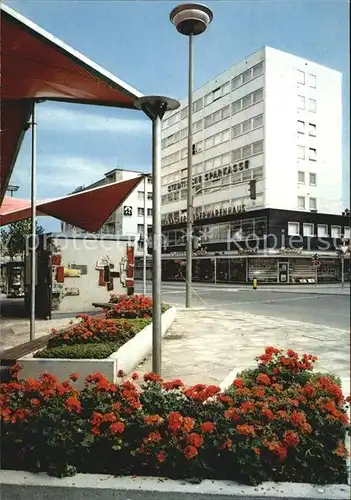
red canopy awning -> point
(35, 65)
(88, 210)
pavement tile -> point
(213, 343)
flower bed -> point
(278, 422)
(131, 306)
(92, 338)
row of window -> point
(301, 128)
(141, 195)
(216, 116)
(246, 151)
(247, 126)
(301, 153)
(232, 180)
(141, 211)
(308, 229)
(301, 203)
(217, 93)
(312, 178)
(306, 79)
(247, 101)
(311, 104)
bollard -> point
(254, 283)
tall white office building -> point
(273, 117)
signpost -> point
(316, 264)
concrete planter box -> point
(19, 485)
(128, 357)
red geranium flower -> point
(263, 379)
(291, 439)
(73, 405)
(207, 427)
(190, 452)
(117, 428)
(195, 440)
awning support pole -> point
(33, 224)
(155, 107)
(145, 234)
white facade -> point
(128, 220)
(274, 117)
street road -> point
(319, 308)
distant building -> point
(275, 118)
(128, 220)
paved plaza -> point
(205, 345)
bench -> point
(103, 305)
(9, 357)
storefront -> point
(267, 269)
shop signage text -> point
(239, 209)
(215, 174)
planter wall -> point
(19, 485)
(128, 357)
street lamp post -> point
(155, 107)
(190, 19)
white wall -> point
(282, 138)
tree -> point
(13, 239)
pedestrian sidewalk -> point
(205, 345)
(16, 331)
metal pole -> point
(145, 234)
(342, 271)
(215, 269)
(156, 247)
(33, 224)
(189, 249)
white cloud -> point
(52, 117)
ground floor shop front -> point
(230, 269)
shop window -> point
(293, 229)
(322, 231)
(308, 229)
(336, 231)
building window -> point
(301, 152)
(140, 228)
(184, 113)
(247, 100)
(257, 147)
(301, 203)
(312, 129)
(246, 126)
(336, 231)
(247, 76)
(312, 154)
(246, 151)
(226, 88)
(140, 211)
(308, 229)
(301, 102)
(300, 127)
(236, 130)
(311, 81)
(313, 179)
(149, 212)
(149, 196)
(313, 203)
(216, 94)
(225, 112)
(198, 126)
(257, 70)
(236, 82)
(258, 121)
(257, 95)
(198, 105)
(208, 99)
(301, 77)
(347, 234)
(236, 106)
(322, 231)
(236, 154)
(293, 229)
(301, 177)
(312, 105)
(140, 195)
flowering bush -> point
(131, 306)
(279, 422)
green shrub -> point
(100, 350)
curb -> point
(19, 485)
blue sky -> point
(135, 41)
